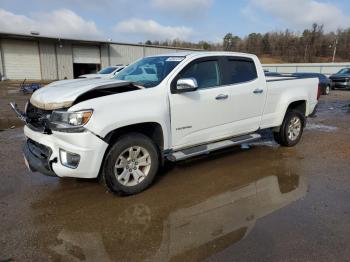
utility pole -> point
(335, 49)
(305, 54)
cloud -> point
(151, 30)
(62, 22)
(185, 8)
(300, 13)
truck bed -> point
(280, 89)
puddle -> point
(347, 108)
(337, 106)
(265, 142)
(320, 127)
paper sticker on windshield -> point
(175, 59)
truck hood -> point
(96, 76)
(62, 94)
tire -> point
(291, 129)
(326, 90)
(121, 173)
(277, 137)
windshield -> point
(107, 70)
(149, 71)
(344, 71)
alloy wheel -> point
(132, 166)
(294, 128)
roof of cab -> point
(204, 53)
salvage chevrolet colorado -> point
(172, 107)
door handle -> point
(258, 91)
(221, 97)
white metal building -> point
(323, 68)
(47, 58)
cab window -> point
(239, 70)
(205, 72)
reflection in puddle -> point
(75, 246)
(187, 233)
(224, 219)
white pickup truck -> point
(172, 106)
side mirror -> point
(186, 85)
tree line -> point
(312, 45)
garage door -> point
(86, 55)
(21, 59)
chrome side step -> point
(205, 149)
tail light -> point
(318, 92)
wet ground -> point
(10, 92)
(257, 203)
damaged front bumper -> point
(44, 156)
(46, 150)
(37, 158)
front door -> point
(202, 115)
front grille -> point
(37, 118)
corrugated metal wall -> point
(149, 51)
(124, 54)
(104, 56)
(55, 61)
(48, 61)
(64, 61)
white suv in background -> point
(105, 73)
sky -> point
(136, 21)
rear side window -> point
(239, 71)
(206, 73)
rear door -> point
(202, 115)
(247, 91)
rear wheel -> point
(291, 129)
(327, 90)
(130, 165)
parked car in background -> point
(105, 73)
(324, 81)
(341, 79)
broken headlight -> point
(65, 120)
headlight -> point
(64, 120)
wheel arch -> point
(299, 105)
(153, 130)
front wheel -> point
(291, 129)
(130, 165)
